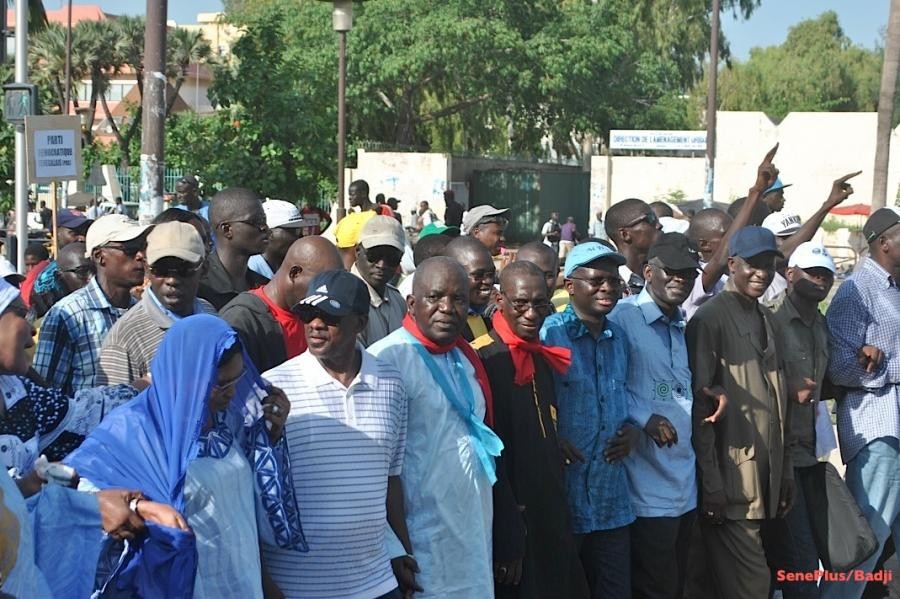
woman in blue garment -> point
(204, 436)
(51, 536)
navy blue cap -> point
(71, 219)
(585, 253)
(753, 241)
(335, 292)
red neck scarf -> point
(522, 352)
(480, 373)
(291, 326)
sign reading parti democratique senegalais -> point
(694, 141)
(53, 145)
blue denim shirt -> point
(593, 402)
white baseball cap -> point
(811, 255)
(175, 240)
(282, 214)
(111, 228)
(382, 230)
(783, 224)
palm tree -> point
(47, 62)
(183, 48)
(889, 71)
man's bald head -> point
(544, 257)
(517, 273)
(232, 203)
(622, 213)
(305, 258)
(72, 256)
(439, 301)
(706, 221)
(436, 269)
(464, 249)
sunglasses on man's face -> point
(650, 218)
(130, 249)
(388, 255)
(179, 272)
(307, 314)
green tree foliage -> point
(816, 69)
(485, 76)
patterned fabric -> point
(865, 311)
(593, 403)
(216, 442)
(40, 420)
(71, 335)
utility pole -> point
(711, 105)
(68, 57)
(21, 158)
(154, 112)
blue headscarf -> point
(148, 443)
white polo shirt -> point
(343, 444)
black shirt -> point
(216, 286)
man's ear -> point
(97, 257)
(569, 286)
(294, 272)
(410, 303)
(624, 235)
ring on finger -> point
(275, 409)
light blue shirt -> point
(865, 310)
(598, 230)
(257, 263)
(663, 480)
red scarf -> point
(522, 352)
(480, 373)
(291, 326)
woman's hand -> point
(276, 408)
(162, 514)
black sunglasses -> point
(390, 256)
(650, 218)
(130, 249)
(262, 226)
(307, 314)
(180, 272)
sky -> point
(862, 20)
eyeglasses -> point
(389, 255)
(228, 384)
(613, 283)
(483, 275)
(260, 225)
(650, 218)
(82, 272)
(521, 306)
(307, 314)
(130, 249)
(178, 272)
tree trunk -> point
(177, 89)
(886, 107)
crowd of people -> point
(228, 403)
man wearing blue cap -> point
(746, 472)
(347, 439)
(596, 427)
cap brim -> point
(679, 263)
(377, 240)
(132, 232)
(301, 308)
(186, 255)
(294, 224)
(753, 254)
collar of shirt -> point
(95, 298)
(651, 311)
(161, 315)
(575, 328)
(316, 375)
(794, 314)
(374, 299)
(12, 389)
(872, 269)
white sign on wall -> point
(53, 145)
(657, 140)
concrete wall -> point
(816, 148)
(408, 176)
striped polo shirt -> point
(343, 443)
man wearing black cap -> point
(347, 444)
(864, 342)
(661, 470)
(746, 472)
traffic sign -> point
(19, 101)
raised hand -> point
(766, 173)
(841, 190)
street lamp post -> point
(342, 22)
(711, 106)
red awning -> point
(852, 210)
